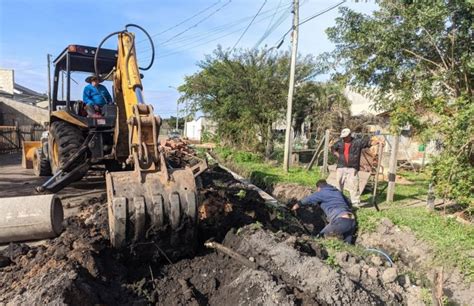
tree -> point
(245, 93)
(416, 57)
(321, 104)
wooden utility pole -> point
(289, 110)
(392, 169)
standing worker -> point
(95, 96)
(348, 151)
(337, 209)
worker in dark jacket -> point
(348, 151)
(337, 209)
(95, 96)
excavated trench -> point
(287, 267)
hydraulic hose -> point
(129, 51)
(151, 43)
(383, 254)
(96, 69)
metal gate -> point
(11, 137)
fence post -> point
(18, 134)
(376, 182)
(326, 153)
(315, 155)
(392, 169)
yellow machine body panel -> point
(27, 153)
(65, 116)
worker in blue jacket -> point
(337, 209)
(95, 96)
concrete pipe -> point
(30, 218)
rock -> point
(354, 272)
(291, 240)
(4, 261)
(373, 272)
(385, 225)
(352, 260)
(342, 257)
(389, 275)
(376, 260)
(404, 281)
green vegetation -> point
(245, 93)
(251, 165)
(416, 59)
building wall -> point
(12, 112)
(193, 130)
(7, 80)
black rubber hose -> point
(98, 48)
(151, 43)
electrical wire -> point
(275, 26)
(182, 22)
(273, 17)
(220, 29)
(199, 41)
(281, 40)
(199, 22)
(197, 37)
(246, 29)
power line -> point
(277, 23)
(197, 41)
(323, 12)
(280, 41)
(199, 22)
(273, 16)
(182, 22)
(197, 37)
(246, 29)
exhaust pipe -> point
(30, 218)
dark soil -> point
(80, 267)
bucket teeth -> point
(144, 205)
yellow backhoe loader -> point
(145, 194)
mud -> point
(80, 267)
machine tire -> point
(64, 140)
(41, 165)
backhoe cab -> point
(69, 124)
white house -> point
(194, 129)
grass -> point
(265, 175)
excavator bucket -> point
(143, 206)
(28, 152)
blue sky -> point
(31, 29)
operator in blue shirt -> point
(95, 96)
(337, 208)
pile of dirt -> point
(417, 256)
(80, 267)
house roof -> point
(27, 91)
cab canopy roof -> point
(81, 58)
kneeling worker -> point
(336, 206)
(95, 96)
